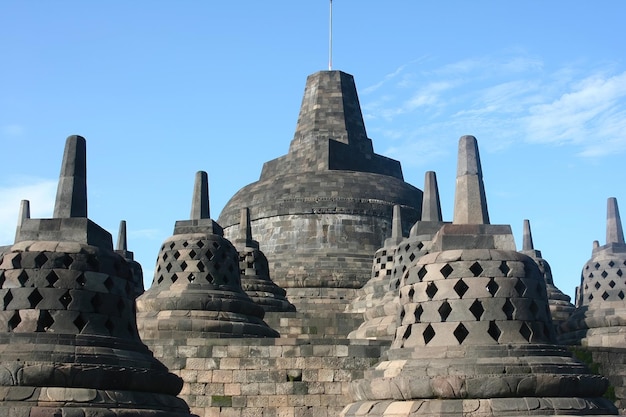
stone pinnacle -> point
(614, 232)
(23, 215)
(528, 237)
(396, 228)
(71, 199)
(200, 202)
(431, 206)
(470, 202)
(245, 229)
(122, 244)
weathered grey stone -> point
(69, 344)
(601, 306)
(135, 267)
(322, 210)
(197, 274)
(476, 327)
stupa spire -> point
(122, 243)
(528, 237)
(614, 231)
(431, 205)
(23, 215)
(470, 202)
(200, 202)
(71, 198)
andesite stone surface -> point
(69, 345)
(600, 317)
(560, 306)
(320, 211)
(475, 334)
(196, 291)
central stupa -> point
(320, 212)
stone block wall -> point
(284, 377)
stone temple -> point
(330, 287)
(322, 210)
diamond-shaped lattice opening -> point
(2, 278)
(397, 284)
(494, 331)
(183, 265)
(407, 247)
(508, 308)
(526, 332)
(217, 246)
(8, 297)
(460, 333)
(604, 274)
(80, 323)
(590, 297)
(17, 261)
(407, 333)
(45, 321)
(428, 334)
(200, 266)
(420, 245)
(534, 308)
(192, 254)
(591, 275)
(597, 285)
(185, 244)
(200, 244)
(431, 290)
(191, 278)
(597, 265)
(520, 287)
(40, 260)
(14, 321)
(411, 293)
(504, 268)
(93, 263)
(34, 298)
(421, 273)
(586, 267)
(108, 283)
(389, 258)
(388, 272)
(109, 326)
(96, 302)
(176, 255)
(65, 299)
(477, 309)
(23, 278)
(172, 244)
(168, 267)
(476, 269)
(461, 288)
(160, 279)
(67, 261)
(402, 314)
(446, 270)
(378, 260)
(611, 264)
(210, 278)
(619, 272)
(376, 274)
(174, 278)
(605, 295)
(418, 313)
(81, 280)
(492, 287)
(412, 257)
(165, 256)
(52, 278)
(621, 295)
(444, 311)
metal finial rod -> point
(330, 39)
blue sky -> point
(163, 89)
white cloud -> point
(12, 130)
(40, 192)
